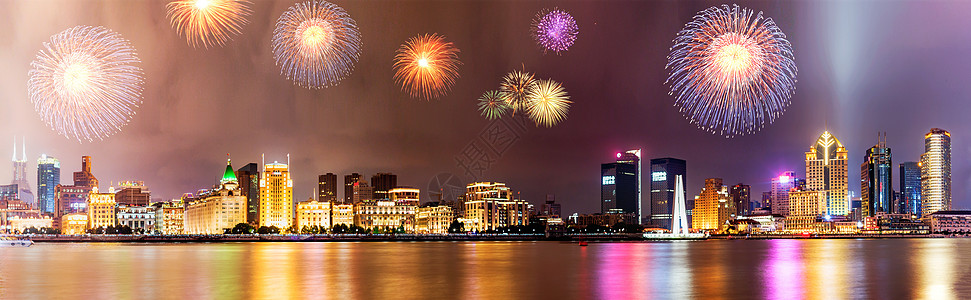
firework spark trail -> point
(316, 44)
(554, 30)
(515, 87)
(548, 103)
(426, 66)
(492, 105)
(208, 22)
(731, 71)
(86, 82)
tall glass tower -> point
(620, 184)
(48, 177)
(876, 179)
(935, 172)
(910, 188)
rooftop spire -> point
(23, 155)
(229, 175)
(14, 158)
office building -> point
(405, 196)
(876, 180)
(349, 181)
(620, 184)
(551, 208)
(935, 172)
(327, 188)
(663, 174)
(249, 183)
(361, 192)
(805, 208)
(48, 178)
(170, 217)
(909, 201)
(385, 216)
(276, 196)
(342, 214)
(221, 208)
(491, 205)
(132, 193)
(826, 170)
(382, 184)
(314, 213)
(75, 223)
(779, 204)
(24, 193)
(141, 219)
(713, 207)
(101, 209)
(740, 195)
(433, 218)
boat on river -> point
(9, 241)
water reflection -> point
(774, 269)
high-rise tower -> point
(876, 180)
(935, 172)
(276, 195)
(48, 177)
(620, 184)
(20, 174)
(826, 170)
(664, 171)
(909, 202)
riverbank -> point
(223, 238)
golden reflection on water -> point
(774, 269)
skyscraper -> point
(48, 178)
(20, 175)
(276, 195)
(935, 172)
(619, 188)
(910, 188)
(74, 198)
(713, 207)
(826, 170)
(741, 199)
(349, 181)
(382, 183)
(132, 193)
(249, 184)
(84, 177)
(327, 187)
(664, 171)
(780, 191)
(876, 179)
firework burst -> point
(426, 66)
(492, 104)
(731, 71)
(554, 30)
(548, 103)
(208, 22)
(85, 83)
(515, 88)
(316, 44)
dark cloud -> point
(868, 66)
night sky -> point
(895, 66)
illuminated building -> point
(805, 208)
(741, 198)
(18, 224)
(138, 218)
(385, 216)
(491, 206)
(20, 175)
(249, 183)
(327, 187)
(433, 218)
(76, 223)
(405, 196)
(349, 181)
(826, 170)
(74, 198)
(935, 172)
(950, 221)
(276, 195)
(909, 202)
(48, 178)
(313, 213)
(620, 184)
(382, 184)
(342, 214)
(101, 209)
(780, 191)
(713, 207)
(663, 174)
(170, 217)
(876, 180)
(767, 222)
(132, 193)
(218, 209)
(361, 192)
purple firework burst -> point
(554, 30)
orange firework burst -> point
(426, 66)
(208, 22)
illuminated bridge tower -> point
(679, 222)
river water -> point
(773, 269)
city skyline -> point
(340, 130)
